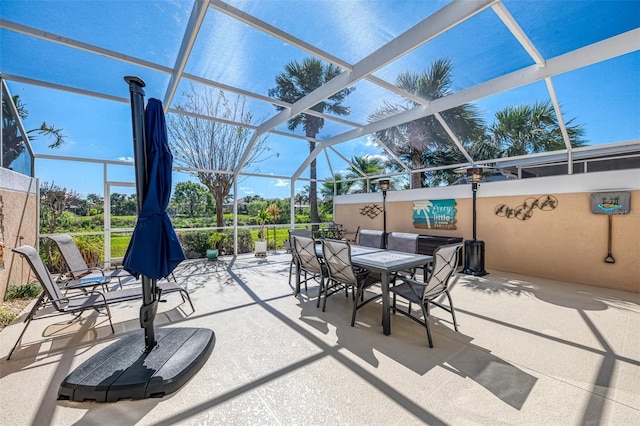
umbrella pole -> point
(149, 298)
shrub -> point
(214, 240)
(123, 221)
(196, 241)
(245, 241)
(51, 257)
(6, 316)
(24, 291)
(303, 218)
(91, 247)
(272, 244)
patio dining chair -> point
(342, 274)
(424, 293)
(352, 237)
(309, 263)
(371, 238)
(295, 262)
(404, 242)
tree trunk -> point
(416, 178)
(219, 211)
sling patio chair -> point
(78, 268)
(309, 263)
(63, 304)
(404, 242)
(295, 262)
(371, 238)
(424, 293)
(352, 237)
(80, 301)
(342, 274)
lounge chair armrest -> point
(114, 265)
(84, 283)
(86, 271)
(84, 295)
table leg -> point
(386, 318)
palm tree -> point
(300, 198)
(13, 143)
(296, 82)
(369, 165)
(334, 185)
(416, 138)
(530, 128)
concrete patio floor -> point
(528, 351)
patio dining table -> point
(385, 262)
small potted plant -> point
(261, 246)
(214, 239)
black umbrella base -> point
(124, 371)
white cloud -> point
(282, 182)
(370, 142)
(125, 159)
(247, 190)
(378, 156)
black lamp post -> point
(473, 249)
(384, 187)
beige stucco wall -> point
(568, 243)
(19, 219)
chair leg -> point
(188, 298)
(326, 292)
(109, 316)
(320, 289)
(28, 321)
(425, 312)
(355, 305)
(453, 312)
(297, 290)
(290, 270)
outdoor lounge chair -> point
(81, 301)
(445, 262)
(78, 268)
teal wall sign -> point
(434, 214)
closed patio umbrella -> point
(127, 369)
(154, 250)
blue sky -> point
(605, 97)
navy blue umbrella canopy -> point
(154, 250)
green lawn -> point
(119, 243)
